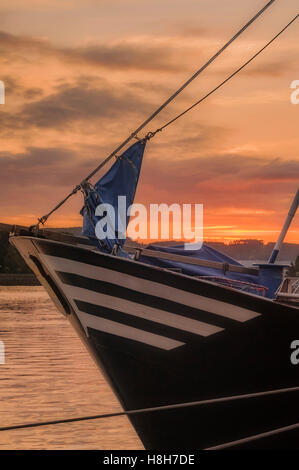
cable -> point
(229, 77)
(153, 409)
(44, 218)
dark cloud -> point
(121, 55)
(34, 165)
(130, 55)
(278, 170)
(8, 40)
(32, 93)
(13, 86)
(41, 177)
(56, 166)
(270, 69)
(189, 140)
(261, 67)
(125, 56)
(73, 103)
(40, 174)
(223, 171)
(189, 30)
(36, 179)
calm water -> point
(49, 375)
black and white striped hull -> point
(163, 338)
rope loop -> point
(78, 187)
(150, 135)
(42, 220)
(85, 185)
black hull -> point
(193, 341)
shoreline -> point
(10, 279)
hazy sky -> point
(80, 75)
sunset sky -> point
(80, 75)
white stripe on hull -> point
(141, 311)
(115, 328)
(124, 331)
(218, 307)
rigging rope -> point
(153, 409)
(44, 218)
(227, 79)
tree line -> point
(10, 260)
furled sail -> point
(115, 192)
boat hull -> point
(162, 338)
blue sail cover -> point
(120, 180)
(204, 253)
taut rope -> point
(228, 78)
(175, 406)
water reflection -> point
(49, 375)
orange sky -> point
(80, 75)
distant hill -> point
(5, 227)
(249, 249)
(72, 230)
(256, 250)
(11, 262)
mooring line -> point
(255, 437)
(152, 409)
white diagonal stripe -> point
(218, 307)
(124, 331)
(112, 327)
(141, 311)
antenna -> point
(285, 228)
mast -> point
(285, 228)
